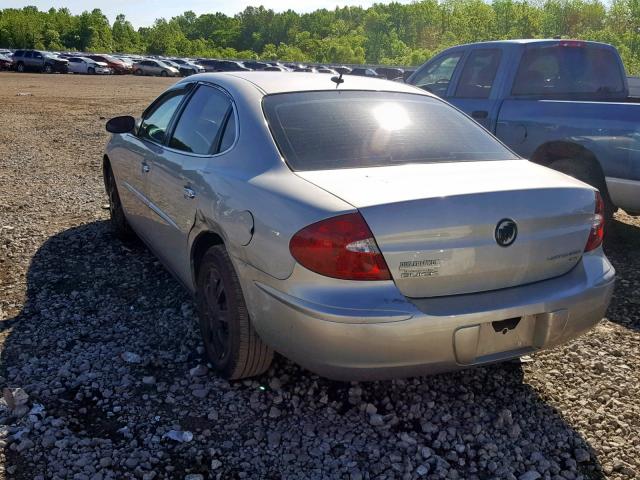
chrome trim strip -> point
(151, 206)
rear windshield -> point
(576, 69)
(350, 129)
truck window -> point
(435, 78)
(571, 69)
(478, 73)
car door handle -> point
(189, 192)
(145, 168)
(479, 114)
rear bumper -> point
(625, 194)
(398, 337)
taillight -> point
(597, 227)
(340, 247)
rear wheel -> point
(119, 223)
(587, 173)
(20, 67)
(232, 345)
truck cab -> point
(560, 103)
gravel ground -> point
(102, 365)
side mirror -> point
(124, 124)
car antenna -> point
(337, 80)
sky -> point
(142, 13)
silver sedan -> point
(363, 228)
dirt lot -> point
(104, 343)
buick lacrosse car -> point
(363, 228)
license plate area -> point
(508, 338)
(492, 341)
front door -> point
(474, 92)
(175, 183)
(143, 148)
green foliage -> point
(394, 33)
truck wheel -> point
(232, 345)
(48, 69)
(119, 223)
(20, 67)
(587, 173)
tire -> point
(138, 72)
(163, 73)
(588, 173)
(48, 69)
(91, 71)
(232, 345)
(119, 223)
(20, 67)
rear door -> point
(175, 183)
(475, 91)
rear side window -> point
(478, 74)
(573, 68)
(157, 118)
(201, 123)
(347, 129)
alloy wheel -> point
(216, 324)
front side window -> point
(201, 123)
(157, 118)
(574, 69)
(436, 77)
(478, 74)
(349, 129)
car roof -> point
(283, 82)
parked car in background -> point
(187, 67)
(390, 73)
(327, 70)
(564, 104)
(305, 69)
(397, 237)
(38, 61)
(274, 68)
(222, 66)
(116, 65)
(342, 69)
(365, 72)
(88, 66)
(5, 62)
(155, 67)
(255, 65)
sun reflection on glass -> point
(391, 116)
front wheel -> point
(232, 345)
(138, 72)
(48, 69)
(91, 71)
(119, 223)
(20, 67)
(163, 73)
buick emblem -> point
(506, 232)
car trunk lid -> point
(437, 225)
